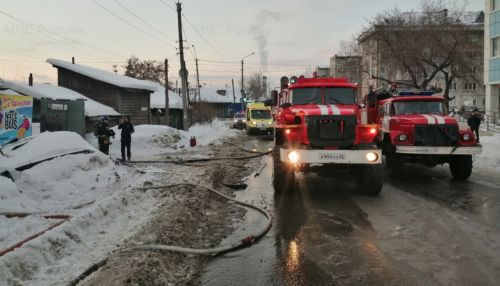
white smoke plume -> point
(261, 32)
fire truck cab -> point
(416, 128)
(318, 129)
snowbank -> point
(149, 141)
(490, 157)
(97, 194)
(42, 146)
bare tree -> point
(417, 46)
(255, 87)
(147, 70)
(349, 48)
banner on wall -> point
(16, 113)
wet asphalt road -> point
(424, 229)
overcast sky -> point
(289, 37)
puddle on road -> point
(476, 195)
(319, 237)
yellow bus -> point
(259, 118)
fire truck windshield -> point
(340, 95)
(261, 114)
(418, 107)
(307, 95)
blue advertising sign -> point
(16, 113)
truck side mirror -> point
(274, 97)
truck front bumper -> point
(438, 150)
(331, 156)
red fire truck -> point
(415, 128)
(318, 129)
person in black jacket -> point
(103, 132)
(474, 121)
(127, 129)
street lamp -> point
(242, 82)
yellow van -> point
(259, 118)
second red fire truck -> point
(415, 128)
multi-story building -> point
(492, 57)
(468, 91)
(322, 71)
(347, 67)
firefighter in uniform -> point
(103, 134)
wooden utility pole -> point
(183, 72)
(234, 96)
(167, 113)
(197, 81)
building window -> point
(453, 86)
(494, 5)
(495, 47)
(470, 86)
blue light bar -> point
(416, 92)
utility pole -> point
(167, 113)
(197, 75)
(234, 96)
(242, 79)
(183, 72)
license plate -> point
(426, 150)
(331, 156)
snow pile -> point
(149, 141)
(98, 195)
(490, 157)
(105, 76)
(43, 146)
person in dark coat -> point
(103, 134)
(474, 121)
(127, 129)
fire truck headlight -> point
(402, 137)
(373, 130)
(466, 137)
(371, 157)
(293, 157)
(288, 131)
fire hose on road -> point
(247, 241)
(211, 251)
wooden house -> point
(128, 96)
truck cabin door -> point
(371, 107)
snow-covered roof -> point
(209, 94)
(39, 91)
(8, 92)
(105, 76)
(158, 99)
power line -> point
(143, 21)
(132, 25)
(45, 32)
(203, 37)
(172, 8)
(48, 33)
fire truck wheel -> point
(370, 179)
(461, 167)
(283, 175)
(394, 165)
